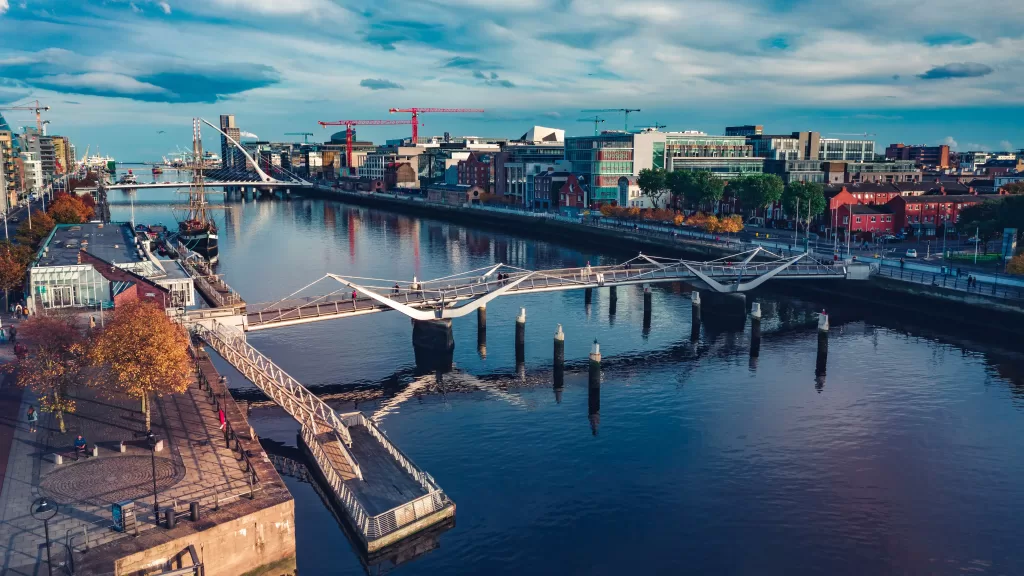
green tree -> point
(704, 188)
(677, 182)
(652, 184)
(799, 195)
(1014, 188)
(991, 217)
(759, 191)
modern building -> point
(1005, 167)
(936, 157)
(538, 150)
(230, 157)
(846, 150)
(98, 266)
(794, 146)
(33, 172)
(796, 170)
(10, 178)
(890, 171)
(748, 130)
(607, 157)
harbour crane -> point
(416, 116)
(305, 135)
(348, 124)
(37, 109)
(596, 120)
(625, 113)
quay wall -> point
(979, 312)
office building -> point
(846, 150)
(748, 130)
(891, 171)
(728, 157)
(515, 167)
(796, 170)
(936, 157)
(10, 180)
(63, 159)
(33, 172)
(793, 146)
(230, 157)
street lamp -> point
(45, 509)
(151, 440)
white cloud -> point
(1005, 145)
(949, 141)
(165, 7)
(975, 147)
(4, 6)
(99, 82)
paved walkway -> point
(195, 465)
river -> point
(905, 458)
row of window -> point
(884, 218)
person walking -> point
(14, 334)
(33, 418)
(3, 336)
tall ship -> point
(197, 230)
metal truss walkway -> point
(440, 298)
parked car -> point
(974, 239)
(756, 221)
(911, 253)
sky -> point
(126, 77)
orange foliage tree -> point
(1016, 265)
(68, 209)
(42, 224)
(142, 353)
(55, 363)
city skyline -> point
(117, 73)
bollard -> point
(122, 447)
(695, 316)
(613, 294)
(559, 356)
(193, 511)
(594, 389)
(481, 331)
(823, 322)
(169, 518)
(595, 365)
(588, 296)
(755, 311)
(95, 451)
(58, 459)
(521, 335)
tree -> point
(652, 184)
(55, 362)
(759, 191)
(704, 188)
(1013, 188)
(677, 183)
(42, 224)
(991, 217)
(797, 196)
(1016, 265)
(14, 261)
(68, 209)
(142, 353)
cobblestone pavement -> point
(194, 465)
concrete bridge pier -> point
(559, 364)
(821, 362)
(433, 344)
(594, 389)
(521, 336)
(724, 312)
(481, 331)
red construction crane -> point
(416, 116)
(348, 124)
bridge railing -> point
(287, 392)
(347, 498)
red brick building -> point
(870, 219)
(572, 194)
(929, 214)
(477, 170)
(930, 156)
(126, 286)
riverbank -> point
(922, 295)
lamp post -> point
(44, 509)
(151, 440)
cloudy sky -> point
(117, 72)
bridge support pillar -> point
(521, 336)
(433, 343)
(559, 363)
(594, 388)
(481, 331)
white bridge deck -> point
(437, 298)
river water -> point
(905, 458)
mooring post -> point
(821, 361)
(613, 293)
(594, 389)
(481, 331)
(521, 335)
(647, 303)
(694, 315)
(595, 365)
(588, 296)
(755, 331)
(559, 364)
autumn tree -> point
(14, 259)
(55, 363)
(68, 209)
(143, 353)
(1016, 265)
(652, 184)
(41, 226)
(1013, 188)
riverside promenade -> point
(231, 480)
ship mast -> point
(197, 191)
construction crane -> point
(305, 135)
(864, 134)
(416, 116)
(655, 126)
(348, 124)
(37, 109)
(596, 120)
(625, 112)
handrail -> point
(352, 505)
(287, 392)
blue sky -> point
(116, 72)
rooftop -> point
(940, 199)
(111, 242)
(870, 209)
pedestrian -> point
(33, 418)
(223, 421)
(3, 336)
(958, 272)
(14, 334)
(397, 289)
(354, 295)
(902, 262)
(80, 445)
(17, 310)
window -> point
(872, 218)
(846, 219)
(858, 219)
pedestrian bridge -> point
(460, 294)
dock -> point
(382, 495)
(212, 287)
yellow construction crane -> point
(37, 109)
